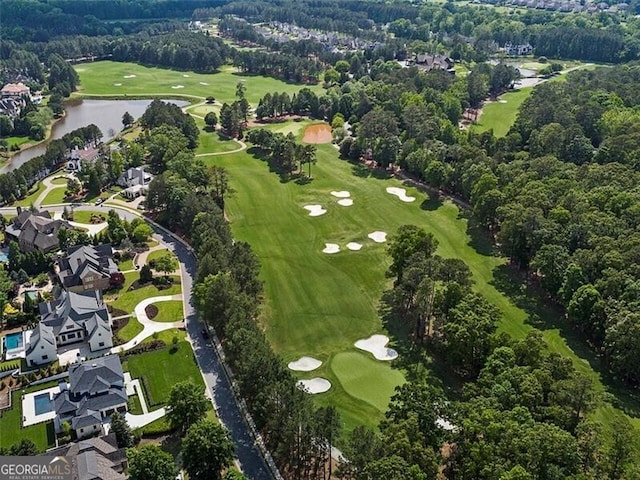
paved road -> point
(251, 461)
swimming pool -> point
(42, 403)
(13, 341)
(4, 258)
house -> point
(134, 176)
(522, 49)
(78, 317)
(89, 268)
(97, 458)
(34, 230)
(11, 106)
(430, 62)
(15, 90)
(95, 390)
(41, 346)
(78, 156)
(135, 191)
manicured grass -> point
(55, 196)
(98, 78)
(170, 311)
(20, 141)
(126, 265)
(130, 330)
(213, 142)
(59, 181)
(33, 195)
(128, 299)
(84, 216)
(11, 430)
(318, 304)
(134, 405)
(501, 116)
(156, 254)
(167, 336)
(164, 368)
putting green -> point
(121, 78)
(366, 379)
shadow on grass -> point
(544, 315)
(285, 176)
(360, 170)
(51, 434)
(480, 239)
(416, 360)
(431, 203)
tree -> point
(166, 264)
(211, 119)
(187, 405)
(73, 188)
(24, 447)
(141, 233)
(121, 428)
(220, 185)
(206, 450)
(151, 463)
(146, 274)
(127, 119)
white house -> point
(41, 348)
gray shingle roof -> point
(71, 311)
(42, 333)
(86, 258)
(88, 419)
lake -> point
(105, 114)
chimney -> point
(79, 261)
(19, 210)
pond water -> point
(105, 114)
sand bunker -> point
(314, 385)
(204, 83)
(117, 84)
(315, 210)
(341, 194)
(376, 345)
(345, 202)
(185, 75)
(177, 86)
(401, 193)
(354, 246)
(129, 76)
(378, 237)
(305, 364)
(331, 248)
(317, 134)
(502, 101)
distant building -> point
(97, 458)
(135, 182)
(431, 62)
(95, 391)
(34, 230)
(15, 90)
(86, 267)
(80, 156)
(516, 50)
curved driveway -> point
(217, 383)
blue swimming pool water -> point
(43, 403)
(4, 258)
(13, 340)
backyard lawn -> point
(11, 431)
(161, 369)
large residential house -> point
(135, 182)
(34, 230)
(431, 62)
(97, 458)
(89, 268)
(95, 390)
(80, 156)
(15, 90)
(79, 317)
(41, 346)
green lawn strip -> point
(99, 78)
(134, 405)
(60, 181)
(167, 336)
(159, 370)
(32, 196)
(55, 196)
(128, 299)
(84, 216)
(170, 311)
(317, 304)
(20, 141)
(125, 265)
(11, 431)
(130, 330)
(156, 254)
(501, 116)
